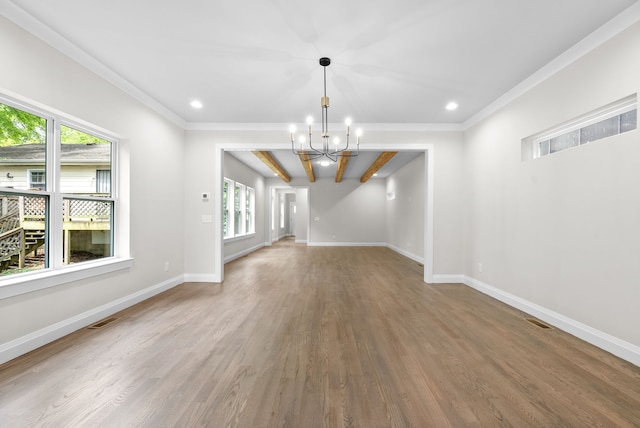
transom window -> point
(616, 118)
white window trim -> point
(28, 282)
(22, 283)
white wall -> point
(562, 231)
(405, 209)
(302, 215)
(237, 171)
(151, 163)
(347, 212)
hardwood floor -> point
(315, 337)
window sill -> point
(239, 238)
(29, 282)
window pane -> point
(23, 228)
(86, 230)
(225, 208)
(23, 138)
(564, 141)
(238, 224)
(82, 156)
(628, 121)
(250, 215)
(597, 131)
(544, 148)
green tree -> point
(73, 136)
(19, 127)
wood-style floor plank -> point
(302, 336)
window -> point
(226, 208)
(47, 223)
(238, 209)
(36, 179)
(250, 207)
(614, 119)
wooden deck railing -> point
(22, 215)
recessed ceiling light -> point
(325, 163)
(452, 106)
(196, 104)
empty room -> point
(387, 214)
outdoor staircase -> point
(14, 241)
(33, 239)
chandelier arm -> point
(331, 157)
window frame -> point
(226, 208)
(56, 273)
(612, 111)
(241, 213)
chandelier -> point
(331, 148)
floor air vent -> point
(103, 323)
(538, 323)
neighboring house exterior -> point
(86, 168)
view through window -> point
(47, 223)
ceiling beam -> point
(272, 163)
(343, 160)
(308, 167)
(376, 165)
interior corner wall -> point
(237, 171)
(151, 173)
(561, 231)
(405, 213)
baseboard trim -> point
(36, 339)
(448, 279)
(201, 277)
(243, 253)
(406, 254)
(618, 347)
(347, 244)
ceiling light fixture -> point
(331, 149)
(196, 104)
(452, 106)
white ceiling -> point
(256, 61)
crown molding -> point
(283, 127)
(23, 19)
(615, 26)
